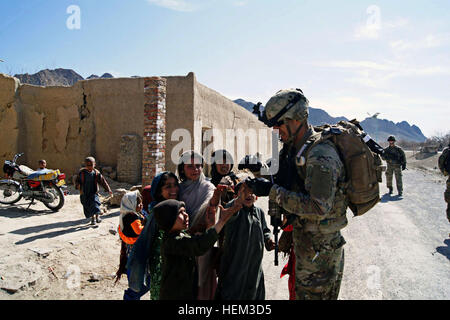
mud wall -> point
(9, 130)
(179, 114)
(54, 125)
(235, 129)
(196, 108)
(65, 124)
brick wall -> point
(129, 159)
(154, 138)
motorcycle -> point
(47, 186)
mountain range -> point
(379, 129)
(57, 77)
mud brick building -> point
(129, 124)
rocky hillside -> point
(57, 77)
(104, 76)
(379, 129)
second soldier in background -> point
(396, 163)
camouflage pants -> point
(447, 198)
(318, 277)
(390, 172)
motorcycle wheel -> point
(9, 193)
(58, 203)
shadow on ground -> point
(445, 251)
(70, 227)
(21, 210)
(387, 197)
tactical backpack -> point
(361, 158)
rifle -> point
(275, 221)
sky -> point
(350, 58)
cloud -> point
(367, 32)
(239, 3)
(375, 74)
(351, 64)
(176, 5)
(428, 42)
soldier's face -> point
(391, 143)
(283, 132)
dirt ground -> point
(398, 250)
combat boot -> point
(390, 190)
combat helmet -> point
(285, 104)
(391, 138)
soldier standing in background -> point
(444, 166)
(307, 188)
(396, 163)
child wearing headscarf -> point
(131, 224)
(144, 263)
(221, 173)
(199, 196)
(179, 248)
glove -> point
(250, 163)
(403, 166)
(260, 186)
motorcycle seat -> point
(40, 175)
(25, 170)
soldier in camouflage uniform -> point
(444, 166)
(308, 186)
(396, 163)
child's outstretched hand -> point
(217, 194)
(210, 218)
(270, 245)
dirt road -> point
(398, 250)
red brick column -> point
(154, 138)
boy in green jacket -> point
(179, 249)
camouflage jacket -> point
(316, 196)
(444, 161)
(394, 155)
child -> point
(240, 274)
(87, 182)
(179, 272)
(131, 224)
(145, 261)
(42, 164)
